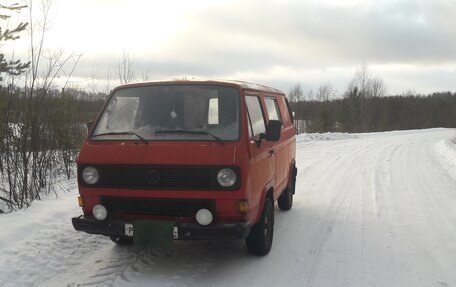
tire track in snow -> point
(339, 180)
(378, 234)
(123, 265)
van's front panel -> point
(163, 170)
(163, 153)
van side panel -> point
(261, 165)
(288, 137)
(284, 148)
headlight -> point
(99, 212)
(226, 177)
(90, 175)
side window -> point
(272, 108)
(289, 110)
(256, 119)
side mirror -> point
(272, 131)
(89, 125)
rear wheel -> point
(259, 241)
(122, 240)
(285, 200)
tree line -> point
(40, 137)
(366, 107)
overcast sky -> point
(411, 44)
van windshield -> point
(174, 112)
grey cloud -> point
(254, 36)
(404, 31)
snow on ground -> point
(39, 242)
(370, 210)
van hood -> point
(160, 153)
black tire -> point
(259, 241)
(285, 200)
(122, 240)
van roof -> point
(241, 84)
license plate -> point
(128, 229)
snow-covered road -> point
(370, 210)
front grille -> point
(155, 177)
(157, 207)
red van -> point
(208, 157)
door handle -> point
(272, 151)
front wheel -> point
(259, 241)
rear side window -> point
(255, 113)
(272, 108)
(289, 110)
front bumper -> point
(193, 231)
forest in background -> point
(357, 114)
(365, 106)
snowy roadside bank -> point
(306, 137)
(446, 149)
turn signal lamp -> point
(80, 201)
(243, 206)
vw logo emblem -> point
(152, 177)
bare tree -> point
(107, 89)
(361, 113)
(31, 144)
(309, 95)
(295, 94)
(364, 85)
(146, 75)
(362, 79)
(325, 92)
(377, 87)
(125, 69)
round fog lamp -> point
(90, 175)
(99, 212)
(226, 177)
(204, 217)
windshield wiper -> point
(158, 131)
(124, 133)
